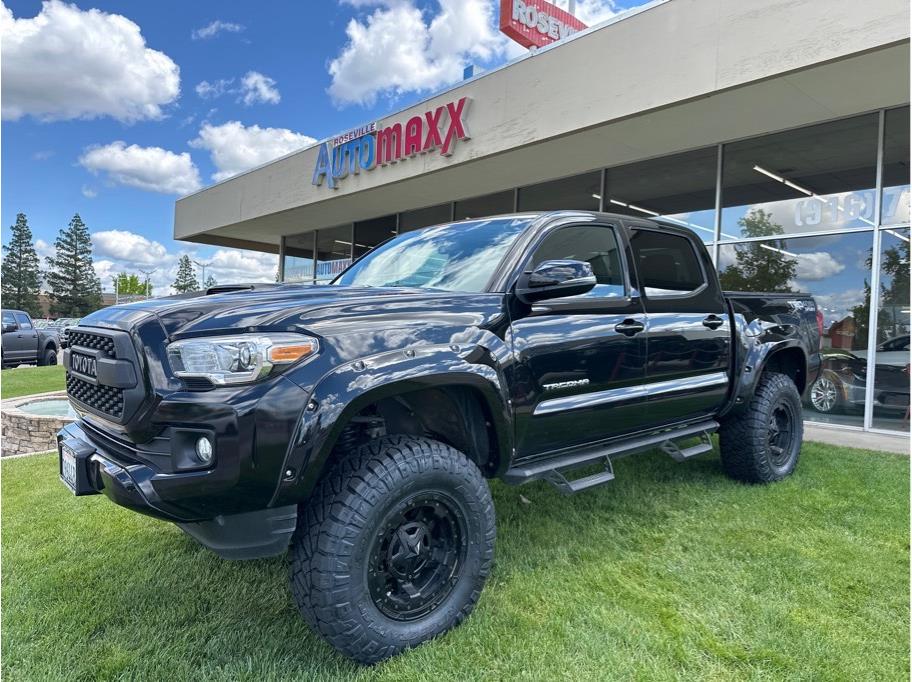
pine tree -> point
(21, 277)
(210, 282)
(186, 276)
(74, 287)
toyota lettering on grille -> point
(83, 364)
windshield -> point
(455, 257)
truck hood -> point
(326, 310)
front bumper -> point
(248, 535)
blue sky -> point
(182, 93)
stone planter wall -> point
(23, 432)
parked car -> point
(63, 325)
(23, 343)
(356, 423)
(843, 378)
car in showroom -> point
(841, 384)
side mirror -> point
(555, 279)
(7, 328)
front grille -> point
(93, 341)
(107, 399)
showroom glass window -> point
(580, 192)
(371, 233)
(299, 258)
(835, 270)
(812, 179)
(425, 217)
(679, 188)
(896, 198)
(891, 356)
(487, 205)
(334, 249)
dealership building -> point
(777, 131)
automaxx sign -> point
(376, 144)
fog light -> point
(204, 450)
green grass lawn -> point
(30, 380)
(670, 572)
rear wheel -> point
(761, 444)
(393, 548)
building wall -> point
(634, 89)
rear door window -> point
(24, 321)
(667, 264)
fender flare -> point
(753, 361)
(347, 390)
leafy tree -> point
(131, 285)
(895, 266)
(75, 289)
(210, 282)
(760, 266)
(186, 276)
(21, 276)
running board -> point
(553, 469)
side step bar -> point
(552, 469)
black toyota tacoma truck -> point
(354, 424)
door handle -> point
(713, 322)
(629, 327)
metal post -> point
(571, 7)
(875, 278)
(717, 226)
(604, 190)
(203, 266)
(281, 259)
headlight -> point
(238, 359)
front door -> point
(579, 361)
(687, 370)
(14, 345)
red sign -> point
(536, 23)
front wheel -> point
(393, 548)
(826, 394)
(761, 443)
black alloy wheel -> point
(417, 556)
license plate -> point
(83, 364)
(68, 467)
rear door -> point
(689, 341)
(580, 361)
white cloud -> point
(394, 50)
(43, 154)
(257, 88)
(592, 12)
(150, 168)
(89, 192)
(213, 28)
(67, 63)
(207, 90)
(235, 148)
(117, 251)
(128, 246)
(44, 249)
(817, 266)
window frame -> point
(668, 233)
(620, 240)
